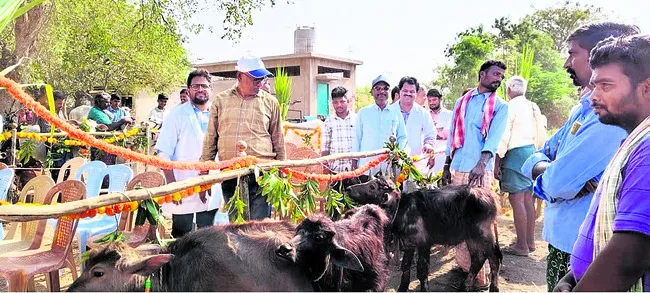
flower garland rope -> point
(337, 177)
(76, 133)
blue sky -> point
(396, 38)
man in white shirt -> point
(523, 135)
(181, 139)
(442, 121)
(158, 114)
(420, 131)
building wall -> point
(304, 87)
(145, 101)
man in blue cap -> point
(376, 123)
(246, 113)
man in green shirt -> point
(97, 114)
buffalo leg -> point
(424, 255)
(407, 260)
(477, 258)
(495, 257)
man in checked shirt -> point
(338, 135)
(244, 112)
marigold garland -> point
(337, 177)
(17, 92)
(111, 210)
(317, 131)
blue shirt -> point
(466, 157)
(578, 152)
(203, 117)
(374, 127)
(117, 114)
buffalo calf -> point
(346, 255)
(446, 216)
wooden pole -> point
(15, 213)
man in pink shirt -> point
(442, 121)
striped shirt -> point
(337, 138)
(254, 120)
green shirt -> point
(99, 116)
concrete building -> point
(313, 75)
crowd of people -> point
(590, 174)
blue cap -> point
(380, 78)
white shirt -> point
(419, 127)
(158, 116)
(521, 129)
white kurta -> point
(443, 123)
(181, 139)
(419, 128)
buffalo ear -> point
(148, 265)
(345, 259)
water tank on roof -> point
(304, 39)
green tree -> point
(559, 21)
(473, 47)
(97, 44)
(362, 98)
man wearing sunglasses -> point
(246, 113)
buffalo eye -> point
(320, 237)
(98, 274)
(372, 187)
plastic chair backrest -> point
(73, 165)
(41, 185)
(6, 179)
(92, 174)
(118, 177)
(144, 180)
(69, 190)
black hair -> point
(162, 97)
(198, 72)
(410, 80)
(183, 91)
(116, 97)
(434, 93)
(487, 64)
(632, 53)
(393, 92)
(58, 95)
(589, 35)
(339, 92)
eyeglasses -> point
(200, 86)
(257, 80)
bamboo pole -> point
(15, 213)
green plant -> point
(10, 10)
(27, 151)
(283, 91)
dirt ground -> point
(517, 273)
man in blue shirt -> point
(567, 169)
(376, 123)
(477, 125)
(116, 109)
